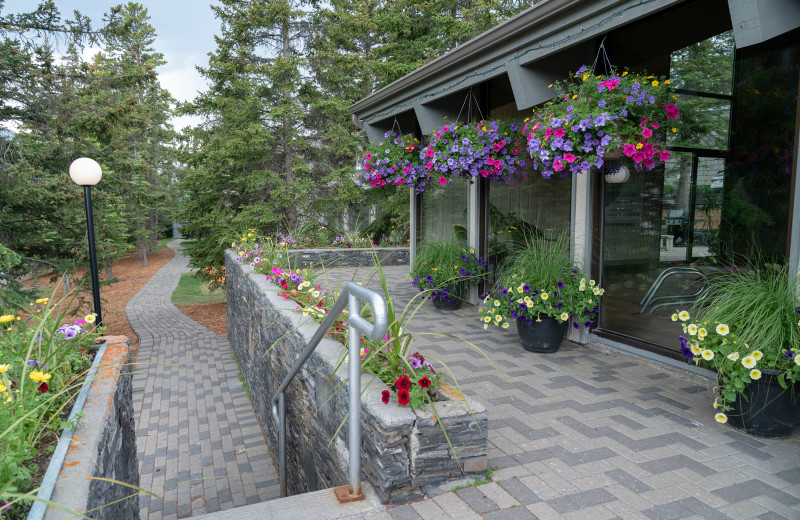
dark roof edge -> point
(494, 36)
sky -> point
(185, 32)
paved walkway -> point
(199, 443)
(587, 434)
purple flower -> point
(415, 362)
(575, 325)
(559, 305)
(526, 288)
(685, 351)
(561, 284)
(789, 355)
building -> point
(729, 187)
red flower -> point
(403, 383)
(43, 387)
(424, 382)
(403, 398)
(385, 396)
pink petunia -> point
(429, 165)
(559, 132)
(558, 165)
(442, 181)
(664, 156)
(429, 152)
(672, 111)
(647, 132)
(654, 125)
(629, 149)
(569, 157)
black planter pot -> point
(543, 336)
(451, 302)
(765, 409)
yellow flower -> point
(721, 418)
(550, 85)
(564, 316)
(666, 82)
(2, 388)
(639, 145)
(497, 303)
(723, 329)
(89, 318)
(4, 368)
(487, 319)
(674, 130)
(7, 317)
(702, 333)
(39, 376)
(755, 374)
(498, 318)
(695, 350)
(545, 296)
(757, 355)
(683, 315)
(625, 73)
(596, 291)
(581, 287)
(749, 362)
(505, 325)
(42, 300)
(692, 329)
(655, 83)
(707, 355)
(674, 317)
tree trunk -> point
(109, 276)
(65, 281)
(291, 212)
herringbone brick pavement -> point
(591, 434)
(200, 445)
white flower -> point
(545, 296)
(485, 326)
(596, 291)
(564, 316)
(505, 325)
(723, 329)
(487, 319)
(702, 333)
(497, 303)
(755, 374)
(602, 292)
(692, 329)
(674, 317)
(695, 349)
(757, 355)
(498, 318)
(707, 354)
(749, 362)
(592, 283)
(683, 315)
(582, 288)
(89, 318)
(797, 359)
(733, 356)
(721, 418)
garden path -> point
(199, 443)
(590, 433)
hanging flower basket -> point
(488, 149)
(627, 114)
(396, 160)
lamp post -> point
(86, 172)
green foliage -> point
(444, 263)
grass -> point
(162, 243)
(191, 291)
(479, 482)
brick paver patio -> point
(590, 434)
(199, 443)
(580, 434)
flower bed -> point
(404, 450)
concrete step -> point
(317, 505)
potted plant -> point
(488, 149)
(543, 291)
(594, 118)
(445, 268)
(395, 160)
(747, 330)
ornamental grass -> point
(442, 265)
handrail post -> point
(354, 445)
(282, 441)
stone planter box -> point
(102, 445)
(355, 257)
(404, 452)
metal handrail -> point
(650, 297)
(351, 297)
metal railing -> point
(351, 297)
(676, 299)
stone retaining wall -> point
(103, 445)
(355, 257)
(404, 453)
